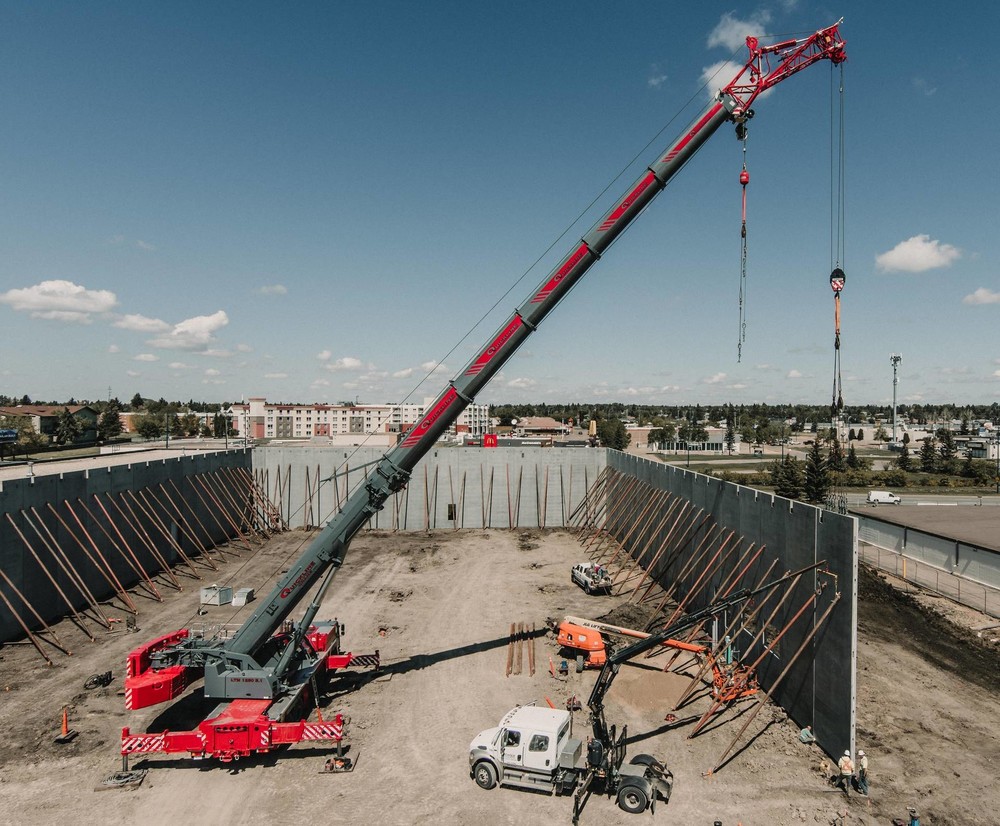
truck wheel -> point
(632, 799)
(579, 663)
(485, 775)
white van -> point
(883, 497)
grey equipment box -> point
(242, 596)
(216, 595)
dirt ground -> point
(439, 608)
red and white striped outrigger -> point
(240, 727)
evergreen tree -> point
(928, 456)
(109, 424)
(904, 462)
(947, 450)
(136, 402)
(853, 462)
(861, 435)
(68, 428)
(835, 461)
(817, 476)
(852, 435)
(730, 431)
(787, 477)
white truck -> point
(592, 577)
(534, 748)
(882, 497)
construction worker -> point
(846, 766)
(807, 736)
(863, 773)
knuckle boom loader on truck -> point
(263, 674)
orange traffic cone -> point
(66, 733)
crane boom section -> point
(326, 552)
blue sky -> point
(318, 201)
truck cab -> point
(532, 747)
(592, 577)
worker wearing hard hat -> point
(846, 766)
(863, 773)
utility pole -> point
(895, 358)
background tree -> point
(853, 462)
(904, 462)
(68, 428)
(148, 427)
(817, 476)
(613, 434)
(947, 451)
(730, 432)
(852, 435)
(109, 424)
(880, 434)
(861, 435)
(136, 402)
(835, 460)
(787, 478)
(662, 435)
(928, 455)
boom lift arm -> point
(251, 664)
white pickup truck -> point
(592, 577)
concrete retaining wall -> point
(819, 689)
(45, 509)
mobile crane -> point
(263, 672)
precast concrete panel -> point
(59, 517)
(818, 686)
(979, 564)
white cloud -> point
(244, 348)
(731, 32)
(141, 323)
(320, 383)
(345, 363)
(276, 375)
(982, 296)
(670, 388)
(213, 381)
(211, 371)
(132, 374)
(923, 86)
(434, 367)
(718, 378)
(738, 386)
(113, 348)
(193, 333)
(656, 77)
(145, 245)
(178, 365)
(60, 300)
(917, 254)
(146, 357)
(521, 384)
(273, 289)
(324, 355)
(219, 354)
(717, 74)
(793, 374)
(405, 373)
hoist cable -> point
(744, 180)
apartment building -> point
(258, 418)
